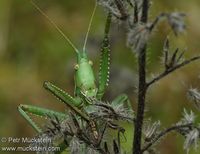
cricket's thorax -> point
(84, 76)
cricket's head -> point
(84, 76)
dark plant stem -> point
(142, 88)
(141, 103)
(163, 133)
(145, 9)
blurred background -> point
(32, 51)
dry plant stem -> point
(121, 9)
(136, 13)
(163, 133)
(170, 70)
(141, 104)
(142, 88)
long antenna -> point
(88, 30)
(54, 24)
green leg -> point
(104, 61)
(64, 97)
(42, 112)
(122, 99)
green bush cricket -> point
(85, 83)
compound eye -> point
(76, 67)
(90, 62)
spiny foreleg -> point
(70, 101)
(64, 97)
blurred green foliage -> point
(32, 51)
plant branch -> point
(172, 69)
(163, 133)
(142, 87)
(158, 18)
(121, 9)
